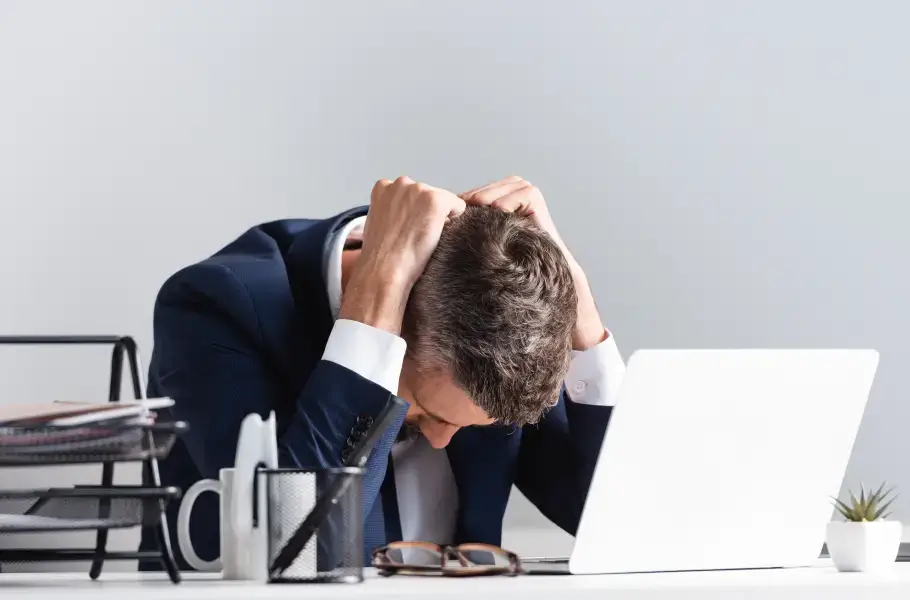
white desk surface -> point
(784, 584)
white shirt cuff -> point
(595, 374)
(372, 353)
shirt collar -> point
(333, 264)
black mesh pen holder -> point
(315, 522)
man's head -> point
(488, 325)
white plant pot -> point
(864, 546)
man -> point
(469, 307)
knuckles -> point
(409, 195)
(379, 187)
(427, 197)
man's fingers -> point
(518, 201)
(510, 179)
(458, 206)
(400, 184)
(450, 203)
(379, 189)
(492, 184)
(491, 194)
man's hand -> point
(514, 194)
(402, 230)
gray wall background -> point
(731, 174)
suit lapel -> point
(305, 260)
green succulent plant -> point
(871, 507)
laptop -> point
(720, 459)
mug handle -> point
(183, 526)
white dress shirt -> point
(425, 486)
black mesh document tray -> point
(99, 508)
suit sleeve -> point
(212, 363)
(557, 456)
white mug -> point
(234, 561)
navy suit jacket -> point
(244, 331)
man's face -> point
(439, 408)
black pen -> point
(336, 490)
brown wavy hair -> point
(495, 309)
